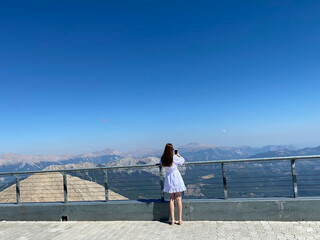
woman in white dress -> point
(173, 183)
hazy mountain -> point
(39, 165)
(13, 158)
(288, 152)
(71, 166)
(276, 148)
(143, 153)
(128, 161)
(104, 152)
(191, 152)
(205, 152)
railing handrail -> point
(157, 165)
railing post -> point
(65, 188)
(106, 187)
(225, 190)
(161, 182)
(294, 178)
(17, 187)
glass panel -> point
(7, 189)
(259, 179)
(86, 186)
(135, 183)
(41, 187)
(308, 177)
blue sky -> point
(79, 76)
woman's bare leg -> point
(179, 205)
(172, 207)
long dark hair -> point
(167, 156)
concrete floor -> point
(159, 230)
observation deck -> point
(257, 189)
(137, 230)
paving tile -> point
(248, 230)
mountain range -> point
(286, 152)
(191, 152)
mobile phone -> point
(176, 151)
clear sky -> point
(79, 76)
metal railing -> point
(277, 176)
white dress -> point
(173, 182)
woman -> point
(173, 183)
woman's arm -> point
(181, 159)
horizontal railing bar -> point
(44, 194)
(96, 196)
(305, 186)
(137, 191)
(98, 200)
(206, 187)
(304, 175)
(260, 191)
(231, 178)
(157, 165)
(130, 182)
(269, 182)
(203, 183)
(255, 186)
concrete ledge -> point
(275, 209)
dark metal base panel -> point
(278, 209)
